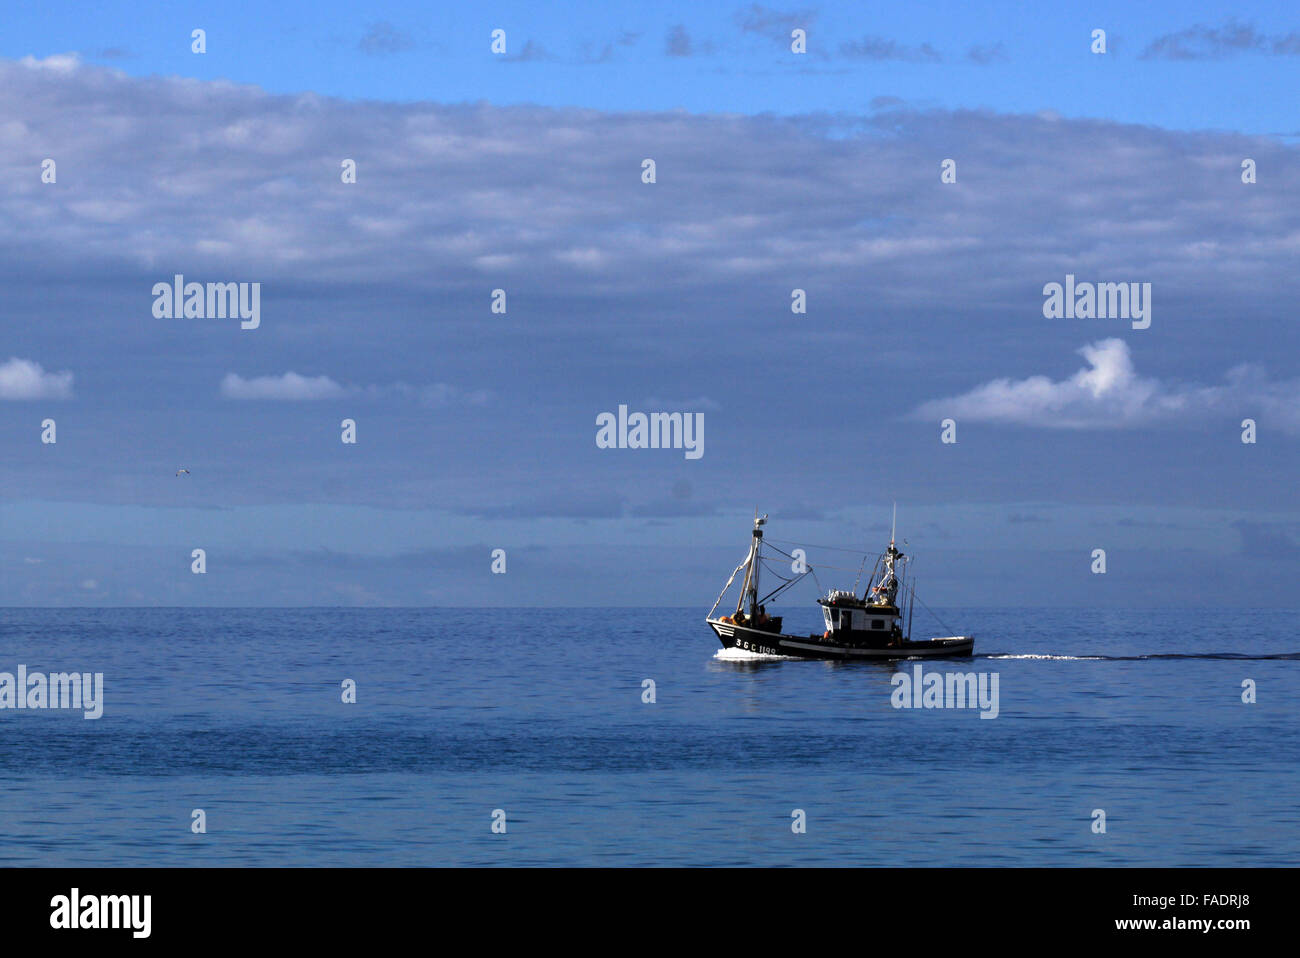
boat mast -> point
(886, 590)
(750, 587)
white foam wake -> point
(744, 655)
(1058, 658)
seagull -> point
(185, 472)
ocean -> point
(537, 719)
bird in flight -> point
(181, 472)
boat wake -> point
(1237, 656)
(1054, 658)
(742, 655)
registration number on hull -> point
(756, 647)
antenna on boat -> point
(894, 526)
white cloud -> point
(24, 379)
(223, 197)
(1109, 393)
(290, 386)
(57, 62)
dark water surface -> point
(539, 713)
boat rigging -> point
(873, 625)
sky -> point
(523, 171)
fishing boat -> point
(867, 626)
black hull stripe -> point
(771, 643)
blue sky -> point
(1178, 65)
(774, 171)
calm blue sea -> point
(540, 714)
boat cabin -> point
(844, 613)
